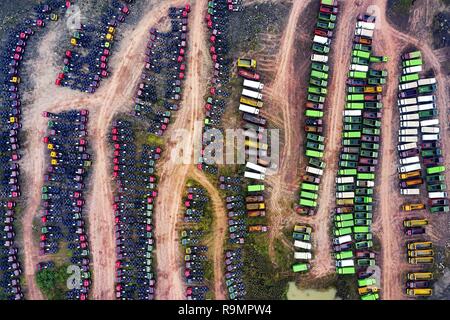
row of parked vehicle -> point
(62, 201)
(195, 258)
(165, 64)
(302, 246)
(421, 253)
(134, 200)
(86, 62)
(234, 274)
(314, 106)
(419, 135)
(217, 20)
(15, 41)
(358, 159)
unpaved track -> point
(172, 173)
(391, 42)
(114, 95)
(284, 96)
(219, 231)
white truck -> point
(302, 255)
(321, 40)
(256, 167)
(353, 113)
(252, 175)
(406, 102)
(358, 67)
(437, 195)
(409, 109)
(427, 106)
(364, 32)
(342, 239)
(251, 94)
(253, 84)
(410, 192)
(408, 132)
(315, 171)
(345, 195)
(407, 146)
(409, 168)
(341, 180)
(429, 130)
(408, 85)
(429, 123)
(365, 183)
(365, 25)
(430, 137)
(302, 245)
(345, 263)
(424, 99)
(409, 124)
(248, 109)
(426, 81)
(408, 139)
(319, 58)
(409, 70)
(409, 160)
(412, 116)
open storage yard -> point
(224, 149)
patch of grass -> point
(347, 288)
(52, 282)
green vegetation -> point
(347, 288)
(52, 282)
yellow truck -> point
(375, 89)
(407, 175)
(421, 245)
(420, 276)
(254, 144)
(421, 253)
(413, 206)
(415, 223)
(246, 63)
(421, 260)
(255, 206)
(251, 102)
(419, 292)
(365, 290)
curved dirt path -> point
(114, 95)
(172, 173)
(284, 95)
(219, 231)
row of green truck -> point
(316, 95)
(358, 160)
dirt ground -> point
(114, 95)
(172, 173)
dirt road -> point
(172, 173)
(114, 95)
(284, 96)
(219, 232)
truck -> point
(313, 170)
(430, 137)
(300, 267)
(251, 94)
(420, 245)
(255, 206)
(435, 169)
(345, 263)
(248, 74)
(246, 63)
(408, 223)
(364, 32)
(256, 167)
(428, 123)
(253, 84)
(421, 253)
(409, 77)
(408, 139)
(412, 206)
(248, 109)
(254, 119)
(251, 102)
(411, 116)
(302, 255)
(409, 70)
(409, 160)
(407, 146)
(342, 239)
(412, 55)
(255, 188)
(426, 81)
(361, 54)
(409, 124)
(424, 99)
(410, 183)
(319, 75)
(408, 85)
(407, 101)
(345, 195)
(412, 62)
(421, 260)
(408, 109)
(429, 130)
(420, 276)
(341, 180)
(365, 25)
(408, 132)
(322, 40)
(252, 175)
(319, 58)
(357, 67)
(423, 292)
(410, 192)
(302, 245)
(437, 195)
